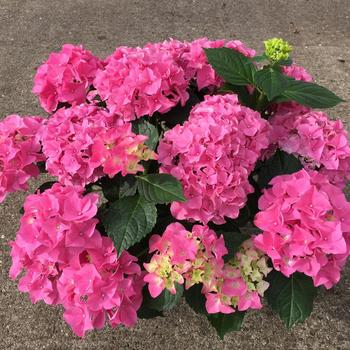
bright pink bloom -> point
(84, 143)
(65, 77)
(297, 72)
(66, 261)
(212, 155)
(20, 150)
(320, 142)
(305, 222)
(141, 81)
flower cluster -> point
(20, 150)
(195, 257)
(84, 142)
(306, 226)
(67, 261)
(141, 81)
(65, 77)
(241, 284)
(321, 142)
(277, 49)
(212, 155)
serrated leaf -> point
(311, 95)
(225, 323)
(160, 188)
(128, 220)
(280, 163)
(144, 127)
(272, 82)
(230, 65)
(165, 301)
(291, 297)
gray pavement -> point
(31, 29)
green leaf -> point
(311, 95)
(195, 299)
(272, 82)
(225, 323)
(128, 220)
(241, 91)
(259, 58)
(291, 297)
(287, 62)
(231, 65)
(280, 163)
(165, 301)
(118, 187)
(233, 241)
(144, 127)
(160, 188)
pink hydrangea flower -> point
(196, 257)
(195, 63)
(305, 223)
(141, 81)
(320, 142)
(20, 150)
(212, 155)
(65, 77)
(66, 261)
(84, 142)
(297, 72)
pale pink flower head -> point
(321, 143)
(65, 77)
(305, 224)
(20, 150)
(212, 155)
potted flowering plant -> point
(179, 169)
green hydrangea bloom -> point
(277, 49)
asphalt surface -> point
(31, 29)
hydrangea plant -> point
(179, 169)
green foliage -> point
(291, 297)
(280, 163)
(118, 187)
(225, 323)
(160, 188)
(231, 65)
(165, 301)
(271, 81)
(310, 95)
(128, 220)
(144, 127)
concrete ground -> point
(31, 29)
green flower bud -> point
(277, 49)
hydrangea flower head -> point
(276, 49)
(20, 150)
(66, 261)
(84, 142)
(305, 224)
(65, 77)
(319, 141)
(212, 155)
(141, 81)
